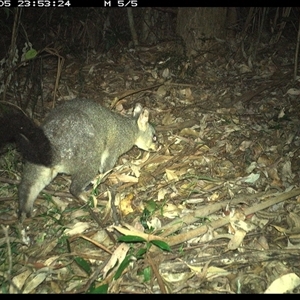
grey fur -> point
(86, 138)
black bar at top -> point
(100, 3)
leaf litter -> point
(224, 189)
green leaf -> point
(131, 239)
(30, 54)
(144, 217)
(151, 206)
(147, 274)
(82, 263)
(162, 245)
(4, 288)
(102, 289)
(141, 252)
(124, 264)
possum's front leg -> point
(108, 161)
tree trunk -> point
(200, 26)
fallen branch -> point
(209, 209)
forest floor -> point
(215, 210)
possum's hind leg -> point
(35, 178)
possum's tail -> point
(31, 140)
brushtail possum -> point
(79, 138)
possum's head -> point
(146, 138)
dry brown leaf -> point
(214, 197)
(141, 161)
(276, 183)
(36, 280)
(19, 281)
(154, 223)
(189, 132)
(116, 258)
(263, 160)
(286, 171)
(293, 91)
(56, 288)
(273, 174)
(48, 262)
(236, 240)
(171, 175)
(240, 228)
(259, 244)
(78, 227)
(171, 211)
(244, 69)
(161, 194)
(280, 229)
(160, 159)
(59, 203)
(231, 128)
(168, 119)
(117, 178)
(285, 283)
(295, 219)
(125, 205)
(189, 93)
(245, 145)
(161, 91)
(102, 237)
(178, 277)
(166, 73)
(211, 272)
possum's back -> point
(73, 131)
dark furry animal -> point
(79, 137)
